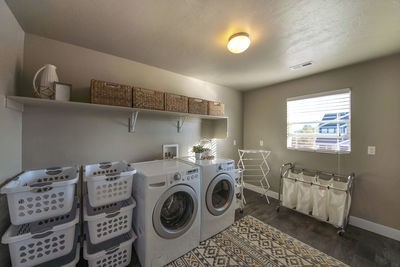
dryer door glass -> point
(175, 211)
(220, 194)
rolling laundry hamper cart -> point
(328, 199)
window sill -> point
(320, 151)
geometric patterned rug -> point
(250, 242)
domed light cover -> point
(239, 42)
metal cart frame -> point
(349, 190)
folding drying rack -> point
(284, 170)
(254, 164)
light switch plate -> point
(371, 150)
(234, 142)
(261, 142)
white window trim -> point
(325, 93)
(333, 92)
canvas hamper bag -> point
(320, 196)
(289, 193)
(336, 205)
(304, 195)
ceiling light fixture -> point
(239, 42)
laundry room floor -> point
(357, 247)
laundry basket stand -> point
(284, 170)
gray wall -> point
(59, 137)
(11, 56)
(375, 89)
(11, 52)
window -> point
(320, 122)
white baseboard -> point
(375, 228)
(259, 190)
(355, 221)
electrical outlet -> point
(261, 142)
(234, 142)
(371, 150)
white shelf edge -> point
(18, 103)
(30, 101)
(14, 105)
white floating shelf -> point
(221, 122)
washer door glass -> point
(220, 194)
(175, 211)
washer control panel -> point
(226, 167)
(184, 176)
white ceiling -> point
(190, 36)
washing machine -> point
(167, 214)
(218, 199)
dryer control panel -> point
(226, 167)
(184, 176)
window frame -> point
(325, 93)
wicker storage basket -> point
(148, 99)
(177, 103)
(215, 108)
(198, 106)
(108, 93)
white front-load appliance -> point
(167, 214)
(218, 194)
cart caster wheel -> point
(340, 232)
(277, 209)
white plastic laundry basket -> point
(108, 182)
(320, 196)
(289, 193)
(336, 204)
(39, 194)
(108, 221)
(115, 252)
(41, 241)
(69, 260)
(304, 195)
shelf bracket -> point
(132, 121)
(179, 124)
(14, 105)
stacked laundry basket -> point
(107, 212)
(44, 218)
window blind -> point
(320, 122)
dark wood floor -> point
(357, 247)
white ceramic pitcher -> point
(49, 76)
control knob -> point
(177, 176)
